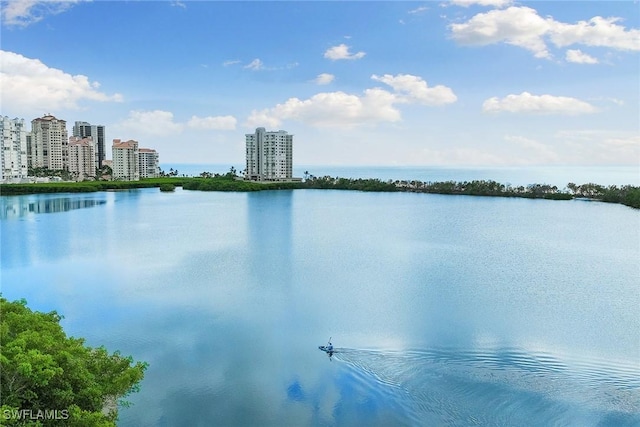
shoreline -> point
(627, 195)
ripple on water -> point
(509, 386)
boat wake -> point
(499, 386)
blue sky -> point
(452, 83)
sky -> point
(450, 83)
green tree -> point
(43, 370)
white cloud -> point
(324, 79)
(331, 109)
(162, 123)
(230, 62)
(523, 27)
(339, 109)
(537, 104)
(155, 123)
(212, 123)
(29, 86)
(342, 52)
(23, 13)
(491, 3)
(417, 10)
(590, 146)
(518, 26)
(178, 3)
(255, 65)
(579, 57)
(623, 142)
(414, 89)
(597, 31)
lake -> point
(445, 310)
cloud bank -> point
(522, 26)
(162, 123)
(28, 86)
(537, 104)
(340, 109)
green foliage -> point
(44, 172)
(87, 186)
(167, 187)
(228, 182)
(627, 195)
(44, 370)
(359, 184)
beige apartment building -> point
(49, 145)
(125, 157)
(82, 157)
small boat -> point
(326, 349)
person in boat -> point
(330, 347)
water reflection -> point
(269, 227)
(20, 206)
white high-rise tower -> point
(13, 150)
(269, 156)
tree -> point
(43, 370)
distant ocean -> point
(551, 175)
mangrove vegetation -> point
(627, 194)
(50, 379)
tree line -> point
(627, 194)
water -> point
(446, 310)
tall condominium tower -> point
(269, 155)
(82, 157)
(149, 163)
(97, 132)
(125, 160)
(49, 146)
(13, 150)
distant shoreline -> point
(627, 195)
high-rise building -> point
(49, 143)
(97, 132)
(82, 157)
(13, 150)
(149, 163)
(269, 156)
(125, 160)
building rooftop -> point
(47, 117)
(131, 144)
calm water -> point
(446, 310)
